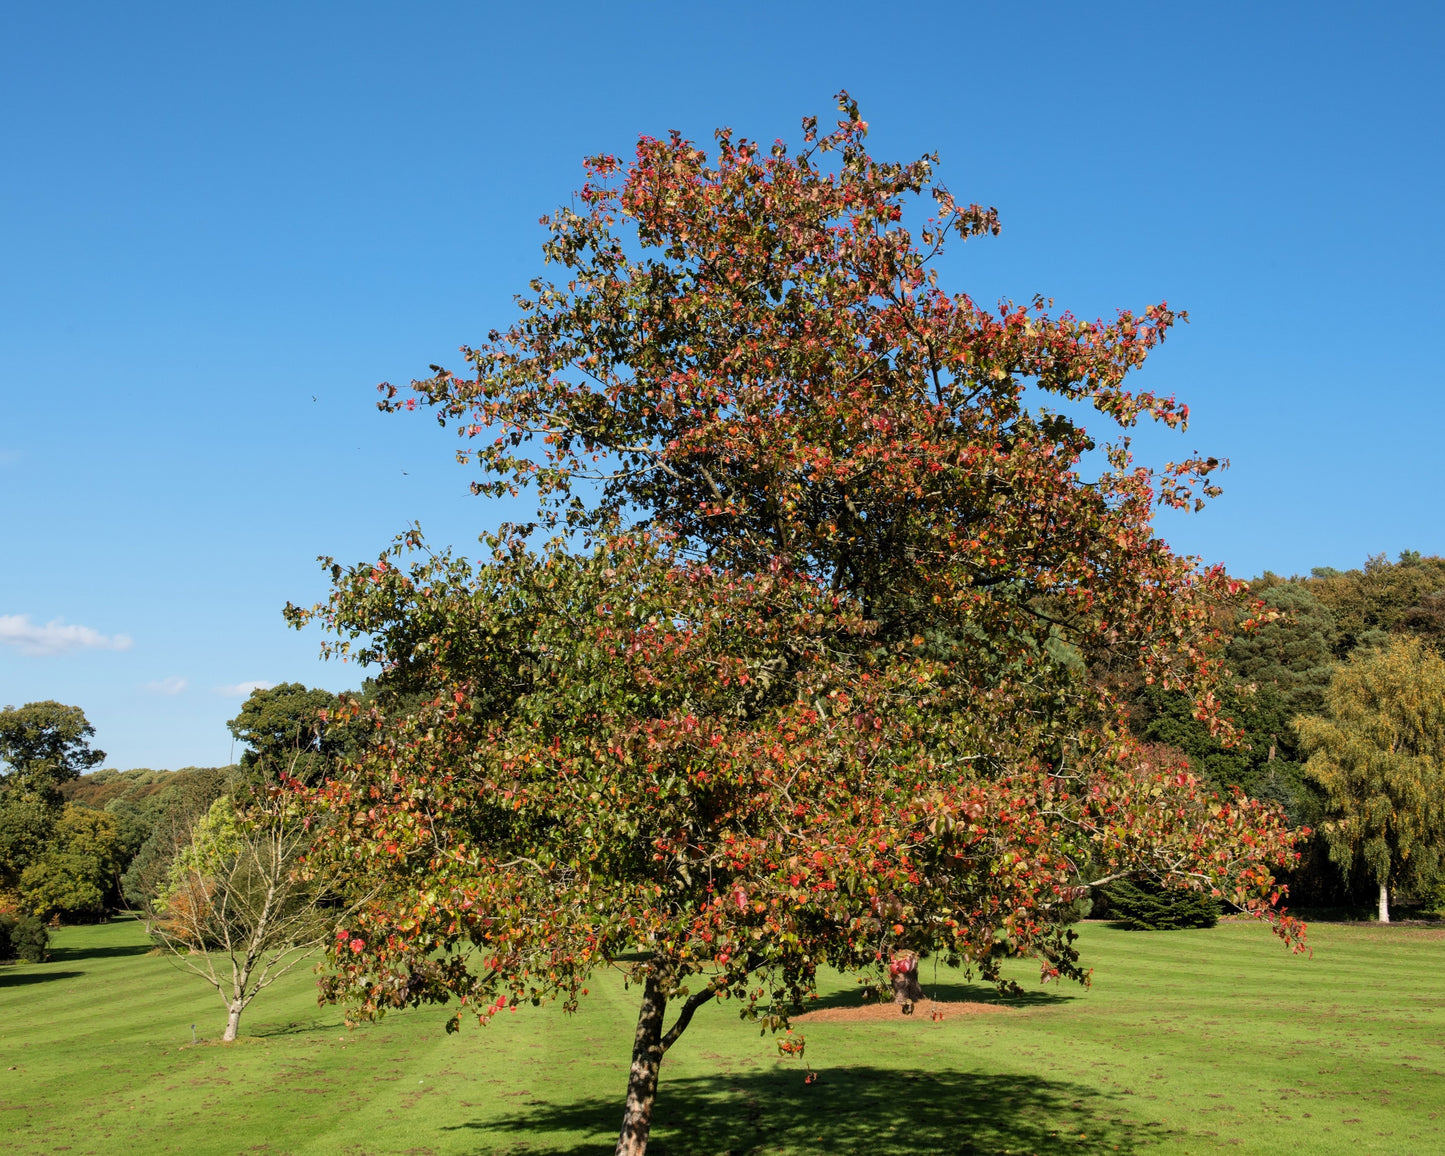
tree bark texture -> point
(647, 1052)
(1384, 903)
(233, 1022)
(903, 970)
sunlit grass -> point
(1188, 1042)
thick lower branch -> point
(685, 1017)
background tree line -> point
(1337, 628)
(77, 844)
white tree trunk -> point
(1384, 903)
(233, 1021)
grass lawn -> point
(1188, 1042)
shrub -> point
(23, 937)
(1431, 898)
(1140, 905)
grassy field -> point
(1188, 1042)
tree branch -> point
(685, 1016)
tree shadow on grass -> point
(956, 991)
(76, 954)
(853, 1109)
(293, 1028)
(10, 978)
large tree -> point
(43, 745)
(27, 826)
(803, 676)
(1379, 754)
(76, 874)
(286, 732)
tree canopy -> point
(1286, 664)
(77, 871)
(286, 732)
(44, 744)
(1383, 598)
(802, 676)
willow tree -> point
(1379, 754)
(801, 675)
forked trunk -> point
(233, 1022)
(642, 1079)
(1384, 903)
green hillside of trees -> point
(1323, 619)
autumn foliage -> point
(807, 671)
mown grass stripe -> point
(1188, 1042)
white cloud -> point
(242, 689)
(55, 636)
(172, 685)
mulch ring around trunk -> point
(924, 1011)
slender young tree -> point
(1379, 754)
(802, 676)
(237, 910)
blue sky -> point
(219, 229)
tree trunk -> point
(903, 969)
(642, 1080)
(233, 1021)
(1384, 903)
